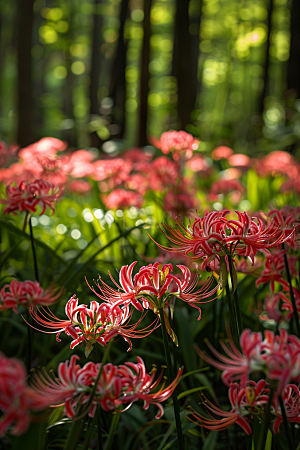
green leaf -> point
(10, 227)
(211, 440)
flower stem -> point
(33, 251)
(232, 320)
(286, 424)
(171, 375)
(112, 429)
(265, 425)
(295, 312)
(29, 343)
(239, 323)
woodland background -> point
(117, 72)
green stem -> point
(112, 430)
(232, 317)
(295, 312)
(239, 323)
(170, 373)
(286, 424)
(29, 343)
(265, 425)
(33, 251)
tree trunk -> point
(183, 62)
(117, 88)
(95, 69)
(293, 66)
(144, 78)
(25, 106)
(266, 64)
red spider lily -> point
(214, 235)
(272, 310)
(274, 267)
(291, 401)
(244, 401)
(27, 196)
(16, 398)
(277, 356)
(153, 285)
(287, 218)
(26, 294)
(99, 323)
(117, 385)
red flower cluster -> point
(117, 386)
(26, 294)
(28, 196)
(214, 235)
(17, 400)
(98, 323)
(153, 286)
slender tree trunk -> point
(182, 63)
(266, 64)
(117, 88)
(95, 68)
(25, 106)
(144, 78)
(293, 66)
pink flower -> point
(99, 323)
(121, 199)
(223, 186)
(288, 218)
(17, 400)
(117, 385)
(178, 202)
(239, 160)
(26, 294)
(176, 142)
(275, 163)
(221, 152)
(245, 400)
(27, 196)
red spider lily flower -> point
(117, 385)
(99, 323)
(221, 152)
(214, 235)
(17, 400)
(244, 401)
(288, 218)
(274, 267)
(153, 285)
(176, 142)
(277, 356)
(291, 401)
(119, 198)
(272, 310)
(26, 294)
(27, 196)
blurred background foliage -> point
(111, 73)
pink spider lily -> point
(99, 323)
(117, 385)
(274, 267)
(26, 294)
(27, 196)
(153, 286)
(176, 142)
(244, 401)
(214, 235)
(277, 356)
(17, 400)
